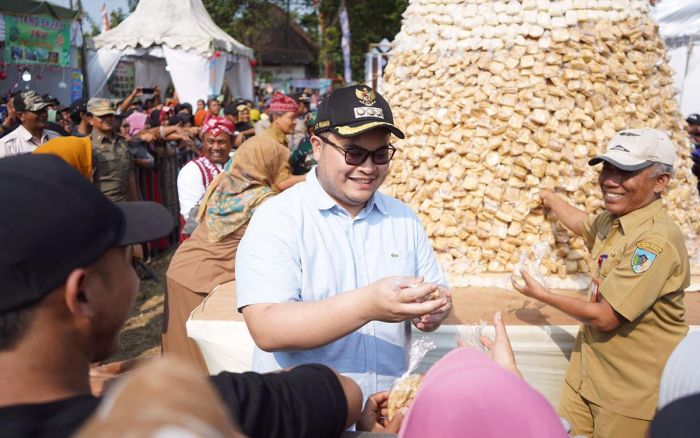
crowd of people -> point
(330, 274)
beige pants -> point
(179, 303)
(591, 420)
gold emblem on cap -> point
(365, 96)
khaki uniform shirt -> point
(640, 264)
(113, 165)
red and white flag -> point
(105, 19)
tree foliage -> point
(370, 22)
(245, 20)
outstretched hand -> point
(374, 417)
(499, 349)
(529, 286)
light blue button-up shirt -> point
(302, 246)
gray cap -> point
(635, 149)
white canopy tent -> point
(679, 24)
(199, 56)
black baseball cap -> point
(78, 106)
(56, 221)
(353, 110)
(693, 119)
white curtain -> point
(239, 79)
(100, 68)
(194, 76)
(217, 72)
(150, 72)
(244, 79)
(690, 96)
(190, 74)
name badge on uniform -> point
(594, 291)
(644, 256)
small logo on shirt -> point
(394, 254)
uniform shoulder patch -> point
(644, 256)
(649, 247)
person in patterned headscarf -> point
(260, 170)
(194, 178)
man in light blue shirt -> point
(331, 271)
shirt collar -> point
(26, 136)
(323, 200)
(276, 133)
(637, 217)
(23, 133)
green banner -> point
(37, 39)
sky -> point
(94, 7)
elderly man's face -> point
(350, 186)
(104, 124)
(34, 119)
(625, 192)
(286, 122)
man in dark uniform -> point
(114, 169)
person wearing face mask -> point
(31, 111)
(633, 316)
(331, 271)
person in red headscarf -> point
(194, 178)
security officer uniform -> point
(113, 165)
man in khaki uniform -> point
(633, 317)
(114, 168)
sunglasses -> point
(355, 155)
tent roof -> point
(31, 7)
(174, 23)
(283, 41)
(678, 18)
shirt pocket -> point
(399, 262)
(105, 161)
(611, 261)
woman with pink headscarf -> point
(195, 176)
(466, 394)
(469, 393)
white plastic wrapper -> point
(405, 387)
(532, 266)
(471, 335)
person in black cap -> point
(80, 118)
(693, 130)
(677, 420)
(333, 271)
(67, 288)
(31, 110)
